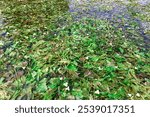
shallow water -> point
(97, 9)
(110, 10)
(143, 2)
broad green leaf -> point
(72, 67)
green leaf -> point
(94, 58)
(41, 87)
(121, 50)
(72, 67)
(88, 65)
(110, 68)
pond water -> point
(96, 9)
(143, 2)
(112, 10)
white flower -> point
(87, 57)
(136, 68)
(61, 78)
(67, 89)
(97, 92)
(129, 95)
(138, 95)
(66, 84)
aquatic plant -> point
(55, 57)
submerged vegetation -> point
(46, 54)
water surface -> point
(114, 11)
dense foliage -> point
(53, 57)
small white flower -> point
(136, 68)
(97, 92)
(67, 89)
(99, 68)
(129, 95)
(138, 95)
(66, 84)
(61, 78)
(87, 57)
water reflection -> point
(108, 10)
(143, 2)
(97, 9)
